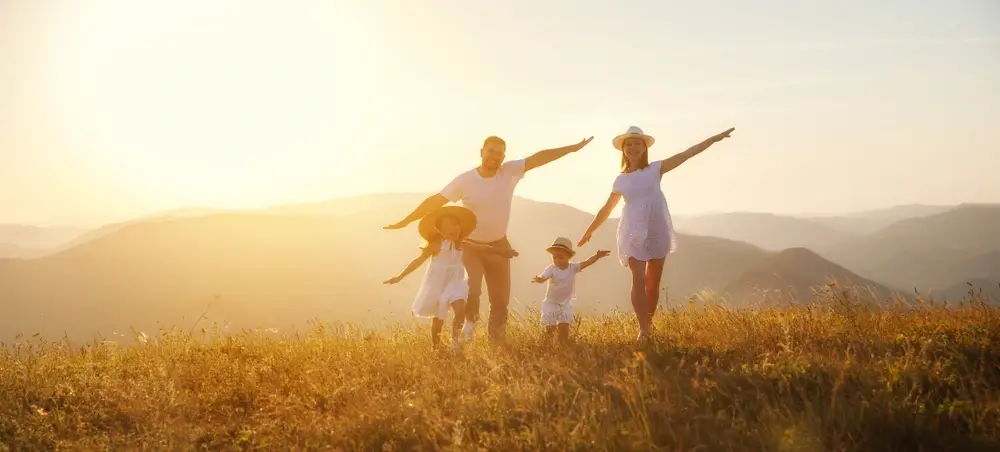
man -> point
(488, 190)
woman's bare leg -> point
(564, 332)
(654, 271)
(639, 303)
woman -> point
(645, 231)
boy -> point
(557, 308)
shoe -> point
(456, 346)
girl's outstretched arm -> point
(601, 217)
(508, 253)
(676, 160)
(592, 259)
(413, 265)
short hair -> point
(494, 139)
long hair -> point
(643, 161)
(432, 245)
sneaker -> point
(468, 330)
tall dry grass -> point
(830, 376)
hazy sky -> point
(112, 109)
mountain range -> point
(282, 266)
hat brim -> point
(619, 140)
(561, 248)
(466, 220)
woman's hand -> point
(585, 239)
(393, 280)
(723, 135)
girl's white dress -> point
(444, 283)
(645, 230)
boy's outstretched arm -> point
(592, 259)
(413, 265)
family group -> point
(468, 243)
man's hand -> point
(505, 252)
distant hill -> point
(979, 288)
(871, 221)
(267, 269)
(25, 237)
(768, 231)
(907, 253)
(792, 274)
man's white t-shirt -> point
(562, 283)
(489, 198)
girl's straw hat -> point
(635, 132)
(562, 243)
(465, 217)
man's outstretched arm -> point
(426, 207)
(541, 158)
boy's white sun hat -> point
(632, 132)
(562, 243)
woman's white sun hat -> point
(635, 132)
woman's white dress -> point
(645, 230)
(444, 283)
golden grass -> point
(831, 376)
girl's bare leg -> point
(564, 332)
(436, 326)
(639, 303)
(456, 325)
(550, 331)
(654, 271)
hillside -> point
(281, 270)
(765, 230)
(905, 253)
(792, 274)
(262, 269)
(36, 237)
(872, 221)
(789, 379)
(975, 288)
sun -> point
(225, 103)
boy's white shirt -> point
(561, 283)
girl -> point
(445, 285)
(645, 231)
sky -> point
(113, 109)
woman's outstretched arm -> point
(676, 160)
(601, 217)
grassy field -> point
(831, 376)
